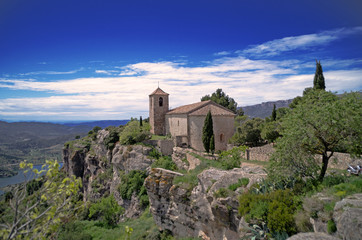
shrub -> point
(133, 133)
(331, 226)
(107, 210)
(232, 158)
(112, 137)
(132, 183)
(221, 193)
(164, 162)
(73, 231)
(243, 182)
(154, 154)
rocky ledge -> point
(198, 212)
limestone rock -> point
(196, 212)
(312, 236)
(348, 217)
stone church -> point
(185, 123)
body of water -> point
(20, 177)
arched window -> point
(221, 137)
(160, 101)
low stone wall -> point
(164, 146)
(263, 153)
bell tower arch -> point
(158, 101)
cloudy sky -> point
(95, 60)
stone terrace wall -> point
(263, 153)
(164, 146)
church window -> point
(221, 137)
(160, 101)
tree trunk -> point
(325, 160)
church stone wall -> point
(176, 125)
(223, 125)
(157, 114)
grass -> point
(158, 137)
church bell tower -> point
(158, 108)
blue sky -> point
(93, 60)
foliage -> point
(113, 137)
(248, 132)
(134, 133)
(33, 186)
(274, 114)
(222, 193)
(73, 231)
(107, 210)
(164, 162)
(331, 226)
(232, 158)
(270, 131)
(274, 208)
(224, 100)
(39, 214)
(318, 125)
(318, 82)
(212, 144)
(207, 131)
(132, 183)
(243, 182)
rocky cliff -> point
(199, 212)
(100, 167)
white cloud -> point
(286, 44)
(248, 81)
(222, 53)
(51, 72)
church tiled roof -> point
(159, 91)
(202, 108)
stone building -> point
(185, 123)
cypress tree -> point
(212, 144)
(207, 132)
(274, 113)
(318, 82)
(141, 124)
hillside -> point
(264, 109)
(33, 141)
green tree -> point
(270, 131)
(212, 144)
(141, 124)
(207, 131)
(224, 100)
(248, 132)
(37, 215)
(318, 82)
(274, 114)
(318, 125)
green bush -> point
(221, 193)
(243, 182)
(73, 231)
(164, 162)
(154, 154)
(33, 186)
(106, 210)
(134, 133)
(112, 137)
(132, 183)
(275, 208)
(232, 158)
(331, 226)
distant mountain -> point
(264, 109)
(102, 123)
(34, 141)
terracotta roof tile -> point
(159, 91)
(202, 108)
(216, 110)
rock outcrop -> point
(348, 217)
(197, 212)
(99, 167)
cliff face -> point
(199, 212)
(100, 167)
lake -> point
(20, 177)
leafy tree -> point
(224, 100)
(318, 82)
(274, 114)
(248, 132)
(207, 131)
(270, 131)
(38, 215)
(319, 124)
